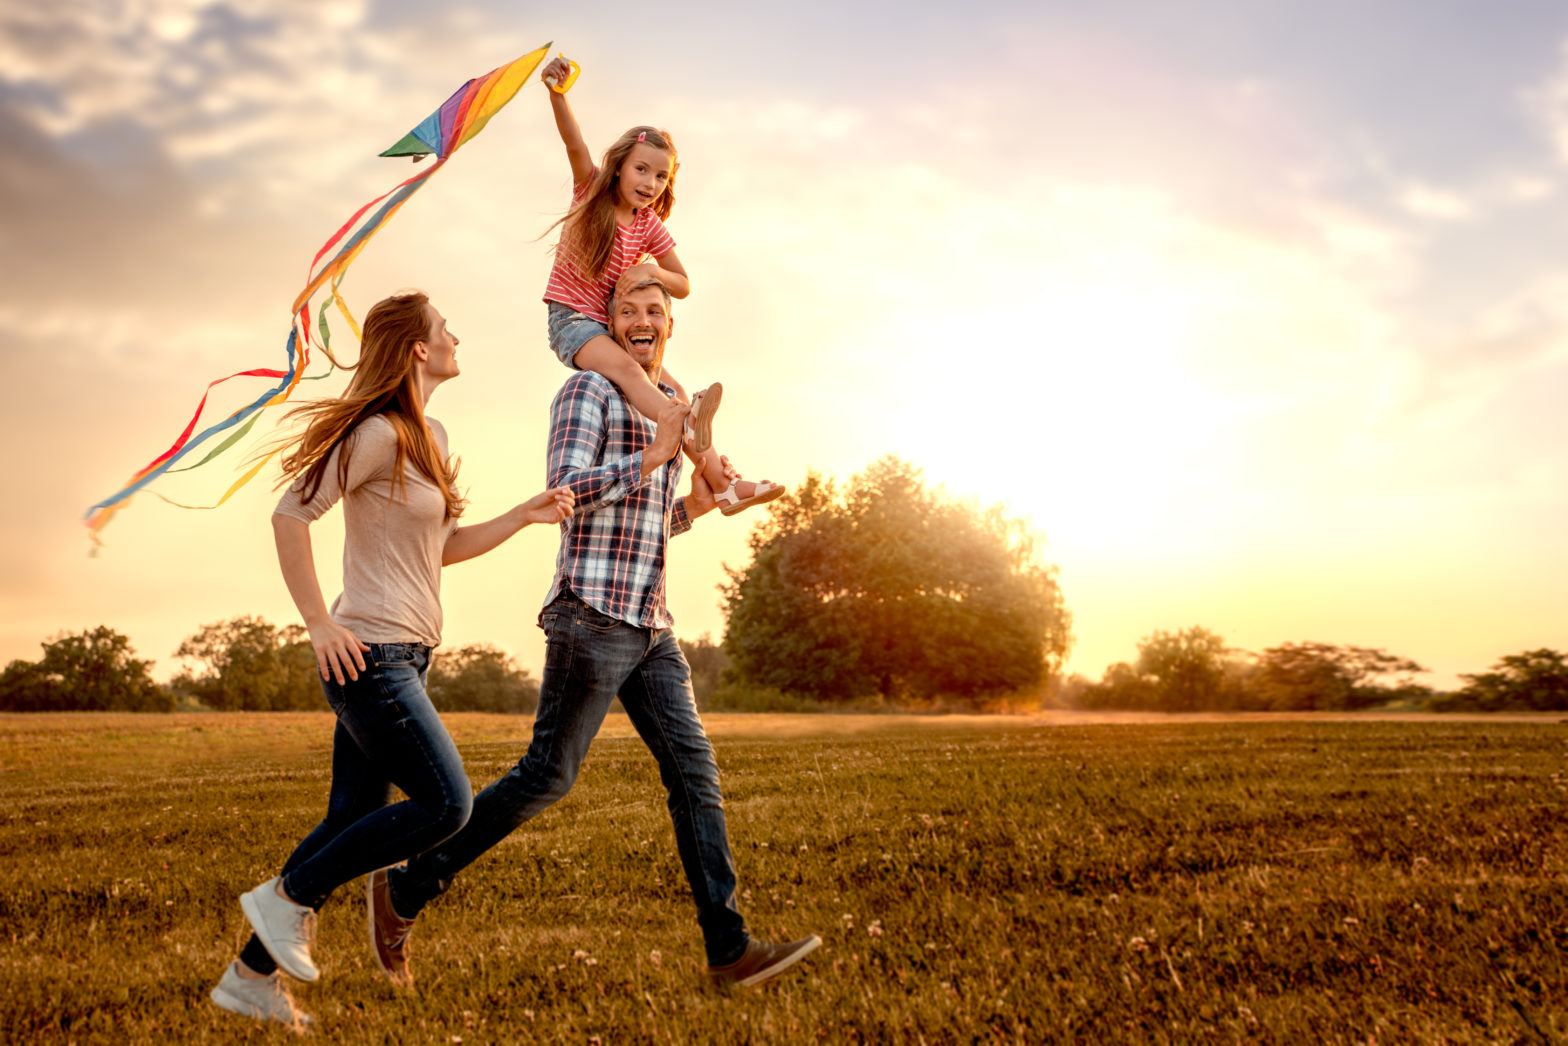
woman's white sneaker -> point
(264, 998)
(285, 928)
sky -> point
(1257, 311)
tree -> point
(708, 662)
(1325, 677)
(481, 678)
(96, 670)
(1535, 680)
(1183, 671)
(1120, 687)
(1186, 669)
(250, 665)
(894, 590)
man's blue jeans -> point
(589, 659)
(388, 733)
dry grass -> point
(975, 880)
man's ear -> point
(669, 327)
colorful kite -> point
(442, 133)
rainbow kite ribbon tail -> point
(441, 134)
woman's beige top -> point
(392, 542)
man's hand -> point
(667, 437)
(701, 501)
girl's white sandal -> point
(699, 423)
(730, 502)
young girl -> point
(616, 219)
(376, 450)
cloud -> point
(1425, 201)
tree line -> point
(881, 592)
(1194, 670)
(244, 664)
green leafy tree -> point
(1535, 680)
(1120, 687)
(95, 670)
(248, 664)
(892, 589)
(1326, 677)
(1184, 671)
(299, 685)
(481, 678)
(708, 662)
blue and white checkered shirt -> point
(613, 547)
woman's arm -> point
(577, 153)
(552, 506)
(338, 651)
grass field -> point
(974, 880)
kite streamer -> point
(441, 134)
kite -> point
(440, 134)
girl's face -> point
(643, 176)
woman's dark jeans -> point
(388, 733)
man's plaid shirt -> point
(613, 547)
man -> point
(607, 632)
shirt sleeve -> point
(680, 522)
(579, 419)
(371, 449)
(657, 241)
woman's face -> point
(440, 348)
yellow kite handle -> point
(565, 85)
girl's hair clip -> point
(642, 136)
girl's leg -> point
(740, 493)
(602, 355)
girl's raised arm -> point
(577, 153)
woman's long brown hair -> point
(384, 383)
(588, 229)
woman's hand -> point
(551, 506)
(337, 649)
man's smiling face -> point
(641, 323)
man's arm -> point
(579, 427)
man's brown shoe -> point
(388, 930)
(762, 962)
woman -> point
(375, 449)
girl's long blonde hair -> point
(385, 383)
(588, 229)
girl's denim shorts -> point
(570, 330)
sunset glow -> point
(1260, 319)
